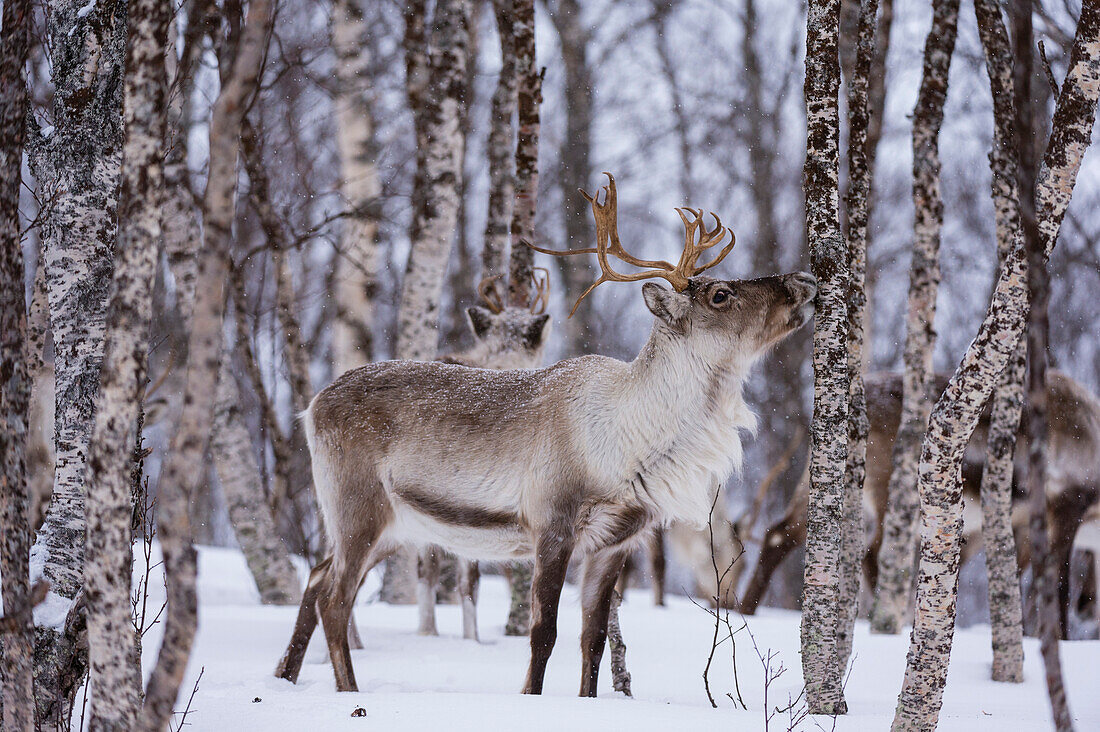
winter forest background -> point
(696, 103)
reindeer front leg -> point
(600, 572)
(552, 553)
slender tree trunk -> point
(576, 167)
(859, 189)
(16, 647)
(239, 474)
(829, 260)
(435, 215)
(78, 163)
(529, 84)
(189, 443)
(1005, 612)
(501, 150)
(357, 259)
(895, 559)
(956, 413)
(111, 639)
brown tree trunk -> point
(956, 413)
(192, 435)
(895, 559)
(114, 664)
(1005, 612)
(16, 647)
(829, 259)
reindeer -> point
(1073, 481)
(504, 338)
(582, 457)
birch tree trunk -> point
(956, 413)
(1005, 611)
(77, 164)
(529, 83)
(190, 440)
(239, 475)
(576, 167)
(114, 665)
(501, 149)
(859, 191)
(357, 258)
(895, 559)
(829, 260)
(16, 647)
(435, 215)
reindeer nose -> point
(804, 284)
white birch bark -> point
(829, 260)
(179, 476)
(357, 258)
(956, 413)
(239, 475)
(114, 670)
(501, 149)
(78, 165)
(895, 559)
(1005, 610)
(16, 646)
(529, 98)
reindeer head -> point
(510, 337)
(727, 319)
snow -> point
(410, 682)
(52, 611)
(86, 9)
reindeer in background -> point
(582, 457)
(1073, 482)
(504, 338)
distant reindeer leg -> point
(656, 547)
(600, 572)
(427, 580)
(469, 577)
(780, 540)
(551, 560)
(1066, 510)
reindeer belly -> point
(465, 529)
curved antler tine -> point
(588, 197)
(721, 255)
(557, 253)
(487, 291)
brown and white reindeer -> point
(1073, 481)
(504, 338)
(581, 457)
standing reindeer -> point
(1073, 481)
(504, 338)
(584, 456)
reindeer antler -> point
(542, 290)
(607, 242)
(487, 291)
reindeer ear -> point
(670, 306)
(536, 332)
(480, 319)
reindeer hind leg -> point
(291, 663)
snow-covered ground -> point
(412, 683)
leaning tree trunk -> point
(859, 191)
(1005, 611)
(895, 559)
(529, 82)
(829, 259)
(239, 475)
(435, 217)
(501, 150)
(956, 413)
(16, 647)
(178, 477)
(114, 663)
(357, 257)
(78, 165)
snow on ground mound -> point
(414, 683)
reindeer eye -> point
(720, 296)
